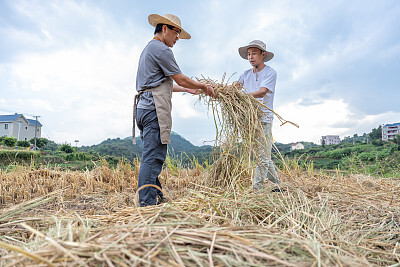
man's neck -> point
(259, 67)
(159, 37)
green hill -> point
(125, 148)
(377, 157)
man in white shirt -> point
(260, 82)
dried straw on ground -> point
(319, 221)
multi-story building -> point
(389, 131)
(330, 140)
(19, 127)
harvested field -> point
(318, 221)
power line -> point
(45, 128)
(46, 133)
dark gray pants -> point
(153, 156)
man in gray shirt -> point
(154, 82)
(156, 63)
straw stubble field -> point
(213, 218)
(90, 218)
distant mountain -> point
(125, 148)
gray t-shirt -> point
(156, 63)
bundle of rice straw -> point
(239, 134)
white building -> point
(19, 127)
(330, 140)
(297, 146)
(389, 131)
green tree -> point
(70, 157)
(396, 140)
(347, 140)
(23, 143)
(40, 142)
(376, 133)
(355, 138)
(66, 148)
(377, 142)
(51, 145)
(9, 141)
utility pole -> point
(19, 129)
(35, 130)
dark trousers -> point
(153, 156)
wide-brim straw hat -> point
(258, 44)
(169, 19)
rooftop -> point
(391, 125)
(13, 117)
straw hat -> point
(258, 44)
(169, 19)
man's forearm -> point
(178, 88)
(260, 93)
(186, 82)
(190, 85)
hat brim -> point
(155, 19)
(243, 52)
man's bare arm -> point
(178, 88)
(260, 93)
(186, 82)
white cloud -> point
(36, 104)
(87, 91)
(314, 120)
(46, 34)
(183, 106)
(99, 66)
(327, 117)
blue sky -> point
(74, 63)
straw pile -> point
(239, 134)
